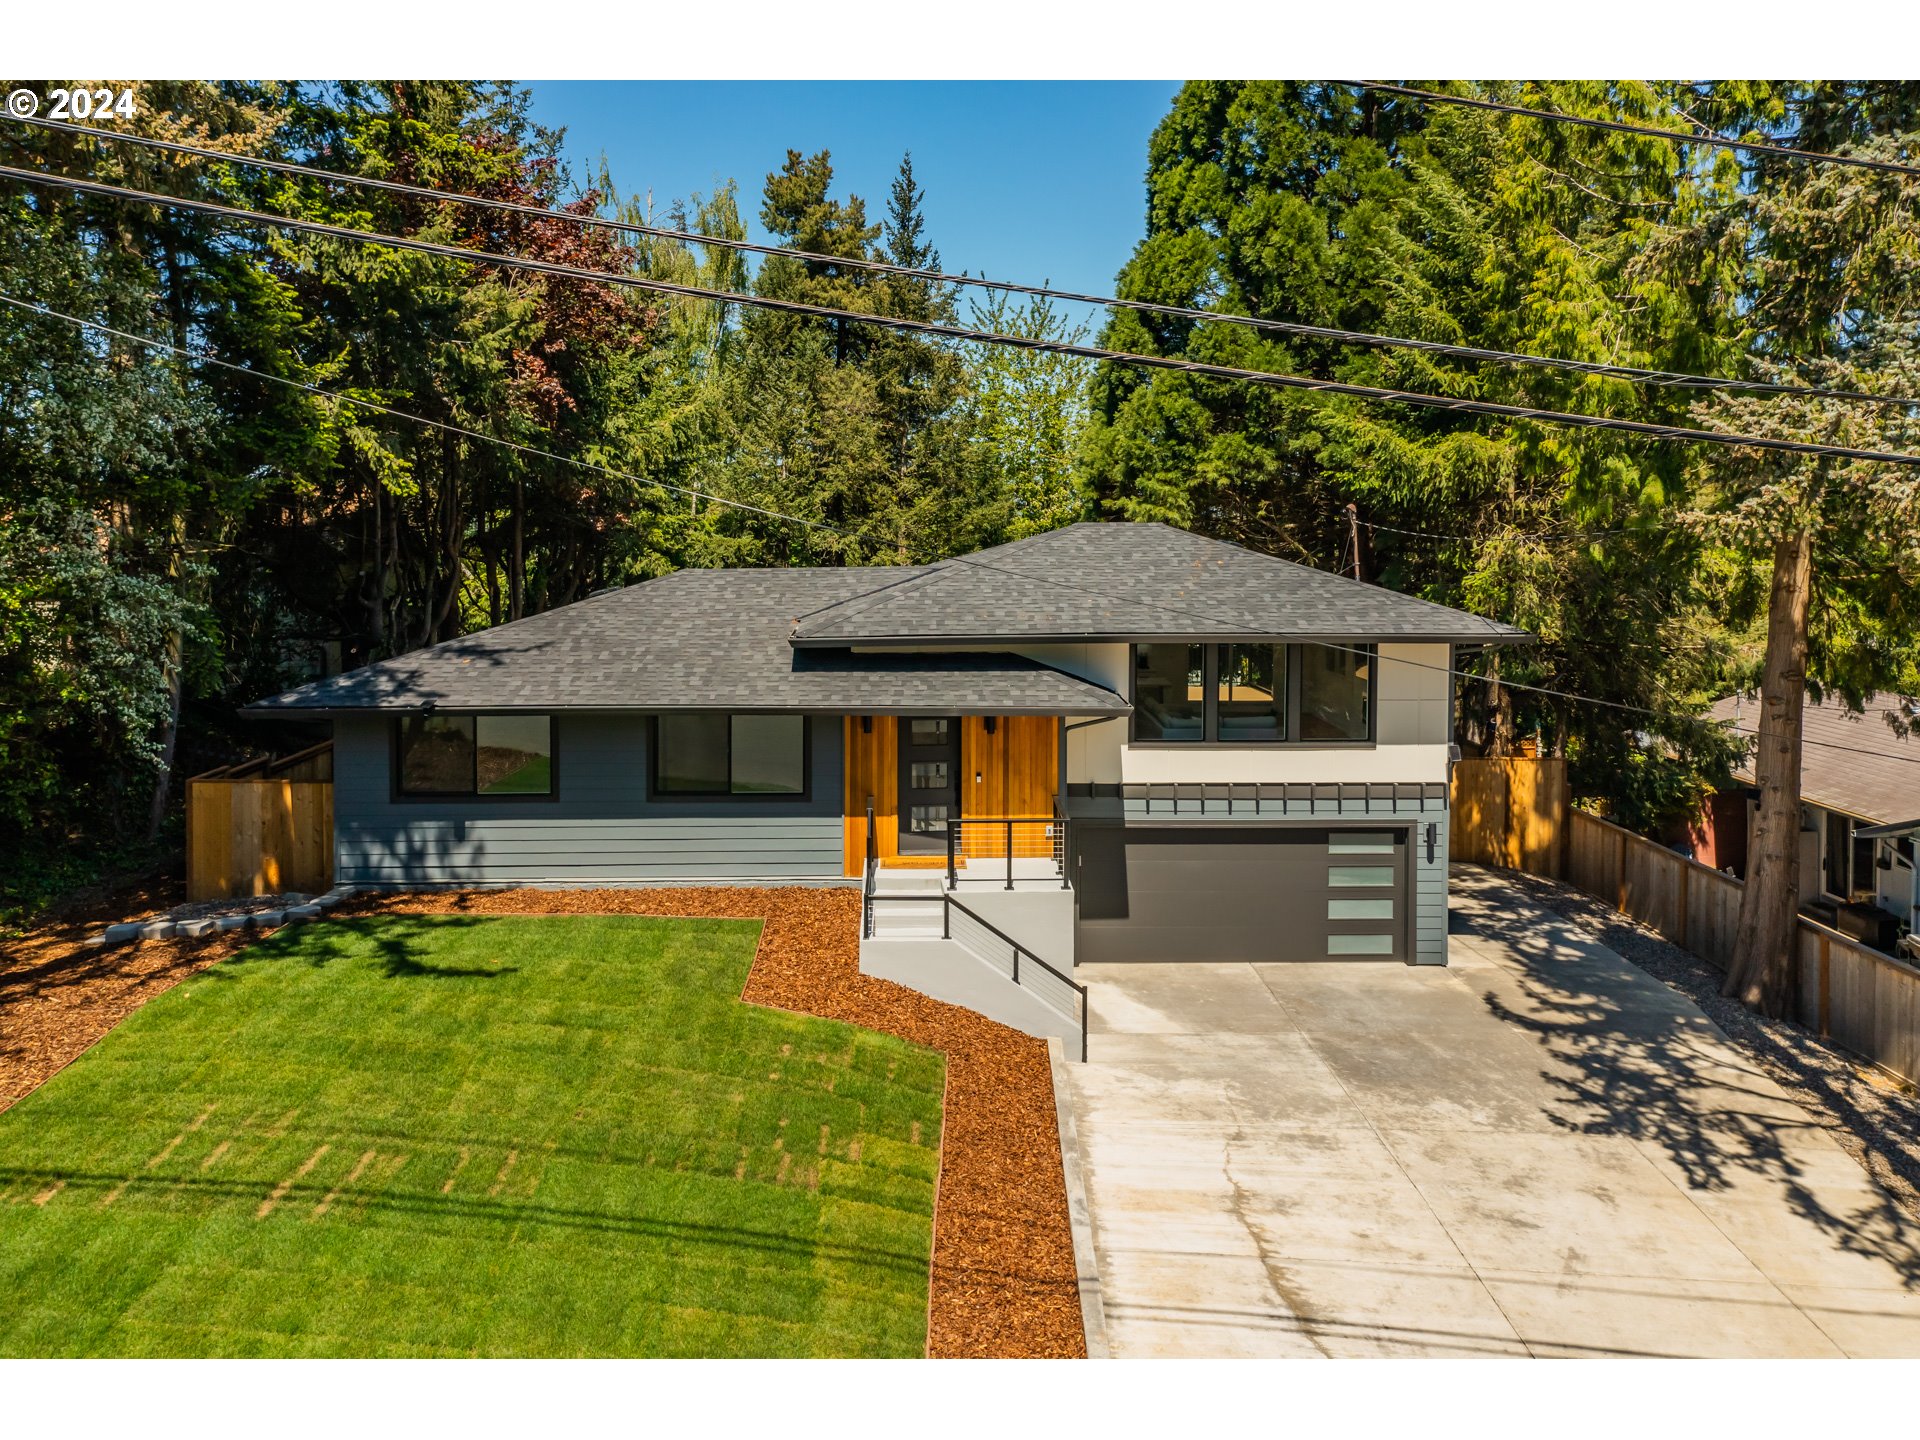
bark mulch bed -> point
(1003, 1276)
(59, 995)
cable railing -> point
(991, 847)
(1017, 962)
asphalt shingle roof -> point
(696, 639)
(785, 639)
(1121, 581)
(1876, 776)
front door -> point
(929, 783)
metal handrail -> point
(946, 933)
(872, 881)
(1056, 824)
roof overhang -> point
(934, 643)
(338, 712)
(1888, 831)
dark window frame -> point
(400, 795)
(655, 795)
(1210, 699)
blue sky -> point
(1025, 181)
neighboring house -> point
(1860, 810)
(1212, 754)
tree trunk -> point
(1499, 711)
(1763, 972)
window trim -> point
(655, 795)
(1210, 699)
(399, 795)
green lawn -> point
(499, 1136)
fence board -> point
(258, 837)
(1865, 1001)
(1510, 812)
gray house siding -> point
(601, 829)
(1415, 806)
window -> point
(1335, 688)
(1250, 692)
(1169, 694)
(1244, 694)
(718, 754)
(476, 755)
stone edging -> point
(132, 930)
(1093, 1315)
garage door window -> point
(1359, 877)
(1360, 945)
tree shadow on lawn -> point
(1633, 1059)
(401, 942)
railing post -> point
(1016, 962)
(946, 918)
(952, 827)
(1062, 823)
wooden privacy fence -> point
(1510, 812)
(1863, 1000)
(262, 828)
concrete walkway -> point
(1539, 1150)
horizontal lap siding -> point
(601, 829)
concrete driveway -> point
(1539, 1150)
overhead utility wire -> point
(165, 346)
(984, 337)
(1697, 137)
(1704, 721)
(1635, 373)
(201, 357)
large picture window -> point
(1245, 694)
(710, 754)
(1169, 692)
(475, 755)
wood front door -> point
(929, 782)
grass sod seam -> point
(597, 1101)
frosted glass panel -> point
(1359, 945)
(1360, 909)
(1349, 877)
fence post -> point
(1686, 871)
(1621, 904)
(1826, 980)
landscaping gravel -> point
(1873, 1118)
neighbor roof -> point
(695, 640)
(1108, 580)
(1852, 763)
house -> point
(1860, 799)
(1110, 742)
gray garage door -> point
(1240, 892)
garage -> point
(1240, 892)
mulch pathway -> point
(1003, 1275)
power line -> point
(1701, 136)
(1703, 721)
(984, 337)
(1635, 373)
(204, 358)
(201, 357)
(1538, 535)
